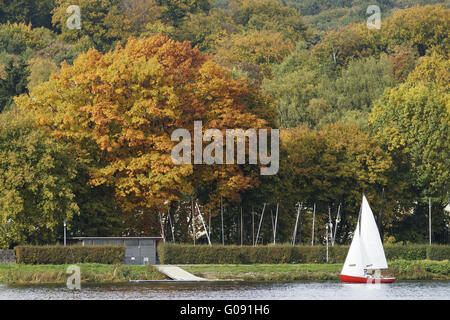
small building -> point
(138, 250)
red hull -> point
(350, 279)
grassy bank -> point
(402, 269)
(90, 273)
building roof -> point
(114, 238)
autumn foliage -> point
(118, 110)
(87, 117)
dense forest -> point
(86, 115)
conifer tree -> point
(15, 82)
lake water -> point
(234, 291)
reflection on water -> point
(235, 290)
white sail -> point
(366, 250)
(354, 264)
(371, 240)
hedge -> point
(405, 252)
(69, 254)
(202, 254)
(438, 252)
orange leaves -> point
(123, 106)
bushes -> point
(407, 252)
(438, 252)
(69, 254)
(417, 252)
(420, 270)
(203, 254)
(90, 273)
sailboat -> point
(365, 258)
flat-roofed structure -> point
(138, 250)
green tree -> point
(37, 12)
(14, 83)
(100, 216)
(351, 95)
(99, 22)
(36, 174)
(269, 15)
(174, 11)
(205, 30)
(304, 95)
(414, 121)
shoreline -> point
(91, 273)
(402, 270)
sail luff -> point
(370, 239)
(354, 264)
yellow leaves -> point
(422, 27)
(337, 151)
(432, 69)
(258, 48)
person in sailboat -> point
(377, 274)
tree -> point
(118, 111)
(413, 121)
(36, 174)
(293, 93)
(254, 50)
(38, 12)
(355, 41)
(432, 70)
(174, 11)
(327, 166)
(304, 95)
(15, 82)
(361, 83)
(99, 215)
(40, 71)
(271, 16)
(99, 22)
(205, 30)
(403, 60)
(14, 37)
(422, 27)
